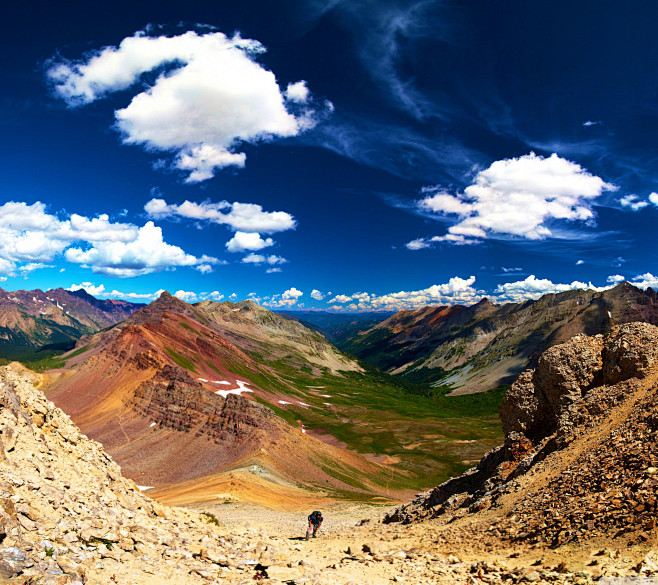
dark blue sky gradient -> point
(453, 88)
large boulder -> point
(632, 352)
(540, 398)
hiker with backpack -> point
(314, 523)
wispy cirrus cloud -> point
(210, 96)
(385, 34)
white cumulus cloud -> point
(90, 288)
(457, 290)
(204, 268)
(285, 299)
(298, 92)
(653, 198)
(521, 197)
(292, 293)
(645, 281)
(209, 97)
(31, 237)
(261, 259)
(244, 217)
(633, 202)
(147, 253)
(242, 241)
(187, 296)
(533, 288)
(317, 295)
(417, 244)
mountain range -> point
(164, 392)
(182, 395)
(338, 328)
(475, 348)
(568, 498)
(33, 319)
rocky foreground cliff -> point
(579, 467)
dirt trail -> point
(355, 548)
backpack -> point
(315, 517)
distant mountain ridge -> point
(338, 327)
(32, 319)
(479, 347)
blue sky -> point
(338, 154)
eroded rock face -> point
(631, 352)
(176, 400)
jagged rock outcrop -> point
(580, 445)
(543, 400)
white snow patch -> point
(325, 395)
(327, 403)
(318, 387)
(284, 402)
(143, 488)
(303, 430)
(237, 391)
(152, 424)
(303, 403)
(221, 382)
(202, 379)
(609, 315)
(242, 387)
